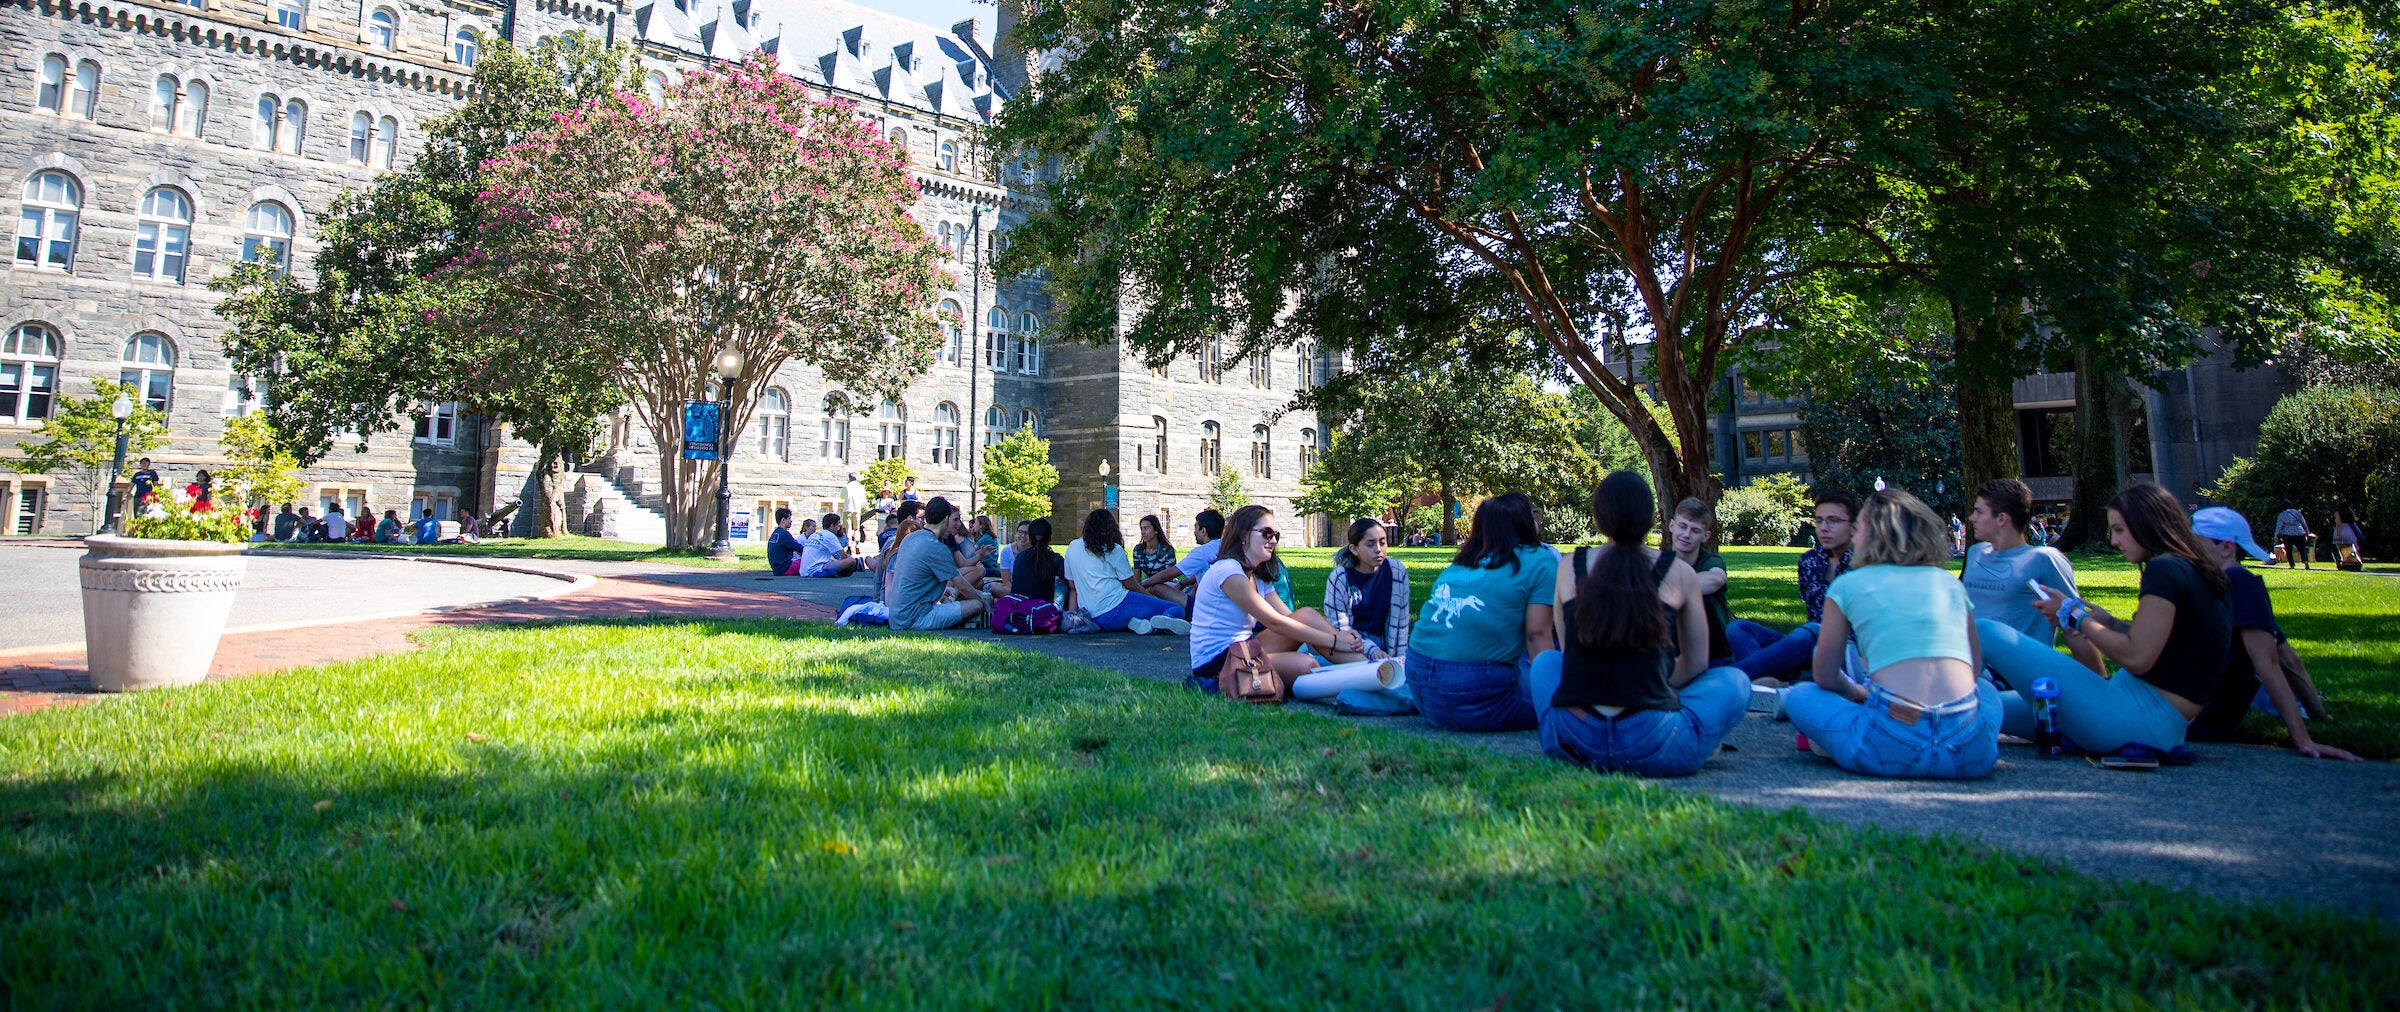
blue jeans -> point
(1784, 658)
(1136, 606)
(1651, 743)
(1470, 695)
(1746, 638)
(1957, 740)
(2099, 714)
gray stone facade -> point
(935, 91)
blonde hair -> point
(1895, 529)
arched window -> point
(1029, 344)
(1262, 452)
(1030, 421)
(387, 142)
(941, 234)
(945, 157)
(462, 48)
(267, 235)
(945, 435)
(85, 91)
(195, 108)
(148, 369)
(51, 94)
(954, 348)
(362, 137)
(383, 28)
(28, 374)
(891, 431)
(292, 14)
(295, 124)
(1212, 362)
(995, 424)
(163, 237)
(654, 88)
(46, 221)
(775, 425)
(1308, 451)
(900, 140)
(165, 93)
(263, 121)
(278, 124)
(995, 340)
(1157, 447)
(1212, 443)
(833, 438)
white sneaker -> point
(1138, 626)
(1172, 625)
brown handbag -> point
(1248, 676)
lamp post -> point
(729, 371)
(121, 410)
(1108, 492)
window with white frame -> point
(995, 424)
(1030, 421)
(148, 368)
(941, 237)
(833, 439)
(654, 88)
(945, 157)
(195, 108)
(1308, 451)
(462, 48)
(945, 435)
(1158, 445)
(995, 340)
(1212, 361)
(28, 373)
(50, 91)
(891, 431)
(1305, 377)
(383, 28)
(438, 426)
(775, 425)
(387, 142)
(165, 93)
(1261, 370)
(46, 221)
(292, 14)
(84, 91)
(1262, 452)
(278, 124)
(178, 106)
(900, 140)
(362, 137)
(1029, 344)
(267, 236)
(162, 236)
(954, 345)
(244, 396)
(1212, 444)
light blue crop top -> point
(1899, 613)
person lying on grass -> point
(1235, 601)
(1922, 712)
(2170, 656)
(2256, 663)
(1618, 694)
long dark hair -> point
(1503, 524)
(1360, 528)
(1100, 532)
(1237, 541)
(1616, 604)
(1037, 539)
(1150, 525)
(2158, 524)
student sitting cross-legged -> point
(2003, 567)
(2169, 656)
(1618, 695)
(1922, 712)
(823, 553)
(929, 589)
(1235, 601)
(1469, 653)
(1692, 533)
(1788, 658)
(1100, 578)
(1370, 588)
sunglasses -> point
(1270, 534)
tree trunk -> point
(1985, 377)
(1449, 515)
(2103, 423)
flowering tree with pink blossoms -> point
(743, 213)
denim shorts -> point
(1471, 695)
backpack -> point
(1019, 615)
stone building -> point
(156, 144)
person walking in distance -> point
(2291, 528)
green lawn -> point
(752, 813)
(569, 547)
(2346, 626)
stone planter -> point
(153, 610)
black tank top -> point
(1637, 681)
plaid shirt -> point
(1817, 571)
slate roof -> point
(839, 45)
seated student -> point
(429, 530)
(986, 541)
(1785, 659)
(1370, 589)
(808, 526)
(1153, 554)
(2256, 661)
(783, 550)
(1922, 712)
(900, 517)
(1035, 569)
(2002, 562)
(388, 532)
(1008, 552)
(2170, 655)
(1692, 533)
(1619, 695)
(1175, 583)
(1235, 601)
(929, 588)
(1489, 613)
(827, 552)
(1100, 581)
(337, 524)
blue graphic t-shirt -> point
(1479, 614)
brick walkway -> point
(33, 682)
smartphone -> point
(2118, 762)
(2040, 593)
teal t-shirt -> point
(1898, 613)
(1479, 614)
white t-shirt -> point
(854, 497)
(820, 546)
(1217, 622)
(1095, 576)
(1197, 561)
(337, 526)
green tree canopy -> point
(1017, 476)
(79, 439)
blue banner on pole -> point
(1108, 496)
(702, 421)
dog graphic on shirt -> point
(1442, 607)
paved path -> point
(2244, 823)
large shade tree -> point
(742, 214)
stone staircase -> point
(612, 498)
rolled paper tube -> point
(1329, 681)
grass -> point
(750, 813)
(568, 547)
(2346, 626)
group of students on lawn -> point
(1628, 658)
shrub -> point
(1767, 511)
(2320, 446)
(1565, 525)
